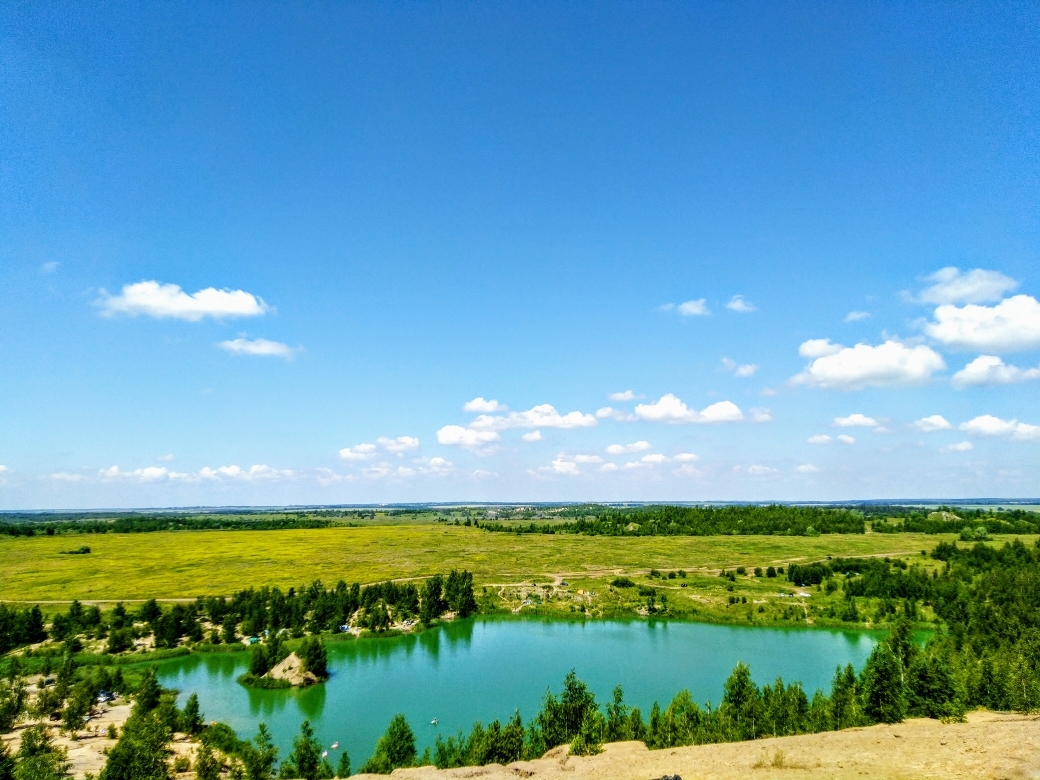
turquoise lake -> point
(487, 668)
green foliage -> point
(314, 656)
(395, 749)
(305, 761)
(458, 593)
(884, 698)
(192, 721)
(141, 752)
(206, 765)
(343, 769)
(260, 757)
(432, 605)
(622, 582)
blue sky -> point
(262, 255)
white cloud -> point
(261, 347)
(685, 457)
(147, 474)
(541, 416)
(437, 465)
(3, 468)
(977, 286)
(820, 438)
(807, 468)
(654, 458)
(935, 422)
(745, 370)
(588, 459)
(626, 395)
(621, 449)
(1011, 325)
(856, 316)
(358, 452)
(687, 470)
(669, 409)
(961, 446)
(761, 414)
(459, 436)
(399, 445)
(697, 308)
(479, 405)
(853, 368)
(482, 474)
(844, 438)
(609, 467)
(532, 436)
(991, 370)
(64, 476)
(169, 300)
(738, 304)
(614, 414)
(760, 471)
(256, 472)
(856, 420)
(817, 348)
(562, 466)
(988, 425)
(49, 268)
(168, 458)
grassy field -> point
(169, 565)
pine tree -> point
(344, 765)
(148, 692)
(191, 719)
(884, 699)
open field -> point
(989, 746)
(171, 565)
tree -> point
(845, 706)
(344, 765)
(261, 759)
(743, 701)
(6, 763)
(229, 635)
(192, 720)
(38, 758)
(458, 592)
(617, 718)
(432, 605)
(306, 760)
(148, 693)
(141, 752)
(258, 665)
(206, 766)
(395, 749)
(314, 656)
(884, 700)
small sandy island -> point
(291, 670)
(989, 745)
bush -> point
(622, 582)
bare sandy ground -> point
(989, 746)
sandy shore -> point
(989, 745)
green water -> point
(486, 668)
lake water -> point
(487, 668)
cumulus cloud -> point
(1010, 326)
(626, 395)
(614, 414)
(609, 467)
(261, 347)
(820, 438)
(807, 468)
(856, 316)
(687, 470)
(358, 452)
(622, 449)
(685, 457)
(65, 476)
(460, 436)
(935, 422)
(588, 459)
(257, 472)
(670, 409)
(961, 446)
(697, 308)
(844, 438)
(541, 416)
(760, 471)
(991, 370)
(561, 465)
(738, 304)
(478, 405)
(988, 425)
(856, 420)
(746, 370)
(168, 300)
(148, 474)
(853, 368)
(437, 466)
(532, 436)
(949, 285)
(760, 414)
(399, 445)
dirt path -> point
(989, 746)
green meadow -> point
(185, 564)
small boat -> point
(433, 722)
(325, 754)
(334, 746)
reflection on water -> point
(489, 667)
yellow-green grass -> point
(185, 564)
